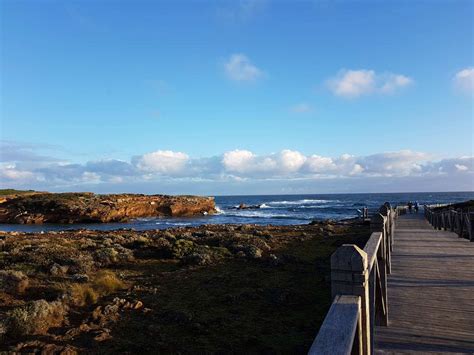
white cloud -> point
(238, 160)
(11, 173)
(232, 166)
(400, 163)
(90, 177)
(391, 82)
(356, 170)
(239, 68)
(246, 163)
(301, 108)
(461, 167)
(355, 83)
(318, 164)
(290, 161)
(164, 162)
(464, 80)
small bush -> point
(106, 283)
(13, 282)
(82, 295)
(35, 318)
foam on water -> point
(278, 210)
(299, 202)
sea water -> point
(274, 209)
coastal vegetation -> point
(9, 192)
(208, 289)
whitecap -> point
(300, 202)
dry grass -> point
(106, 282)
(83, 294)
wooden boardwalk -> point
(430, 292)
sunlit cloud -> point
(355, 83)
(234, 165)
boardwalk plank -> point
(430, 290)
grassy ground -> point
(268, 303)
(6, 192)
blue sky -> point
(144, 95)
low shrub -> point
(13, 282)
(35, 318)
(83, 295)
(106, 282)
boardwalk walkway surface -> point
(430, 292)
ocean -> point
(274, 209)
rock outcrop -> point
(91, 208)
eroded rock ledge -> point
(91, 208)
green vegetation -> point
(6, 192)
(209, 289)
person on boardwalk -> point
(416, 207)
(410, 206)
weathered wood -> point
(378, 224)
(340, 327)
(349, 276)
(371, 248)
(430, 289)
(381, 301)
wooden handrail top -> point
(371, 248)
(338, 331)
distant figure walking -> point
(416, 207)
(410, 206)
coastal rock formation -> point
(91, 208)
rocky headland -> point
(207, 289)
(37, 208)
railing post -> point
(470, 225)
(451, 220)
(377, 224)
(349, 276)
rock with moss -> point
(113, 254)
(182, 247)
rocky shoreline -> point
(67, 208)
(200, 289)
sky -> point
(237, 97)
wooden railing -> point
(457, 221)
(359, 290)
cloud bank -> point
(178, 168)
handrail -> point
(340, 329)
(371, 248)
(457, 221)
(361, 274)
